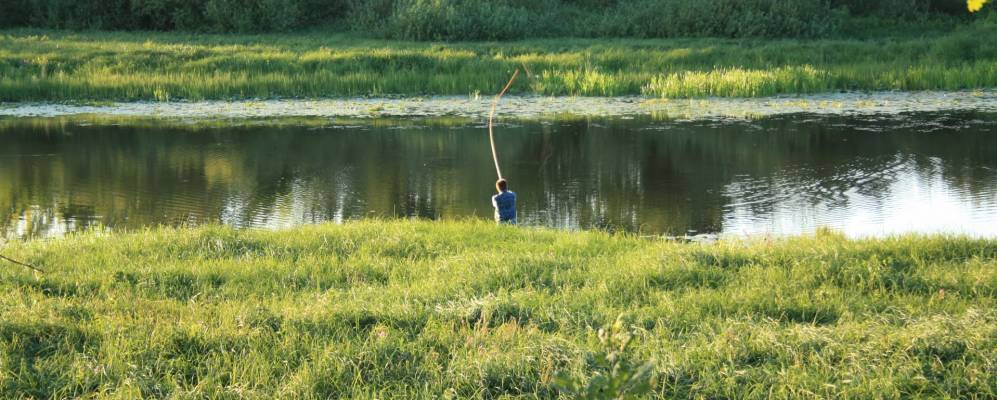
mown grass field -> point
(404, 309)
(39, 65)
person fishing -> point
(504, 203)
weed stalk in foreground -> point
(23, 264)
(617, 376)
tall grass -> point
(467, 309)
(54, 66)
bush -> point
(902, 9)
(965, 45)
(74, 14)
(463, 19)
(15, 13)
(721, 18)
(511, 19)
(188, 15)
(169, 14)
(460, 20)
(321, 12)
(251, 16)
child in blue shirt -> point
(504, 203)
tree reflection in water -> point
(786, 174)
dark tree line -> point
(487, 19)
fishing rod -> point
(491, 117)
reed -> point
(402, 309)
(61, 66)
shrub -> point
(191, 15)
(251, 16)
(721, 18)
(15, 13)
(460, 20)
(902, 9)
(512, 19)
(75, 14)
(168, 14)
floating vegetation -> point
(459, 109)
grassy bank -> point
(414, 309)
(59, 66)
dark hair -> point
(502, 185)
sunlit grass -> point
(58, 66)
(419, 309)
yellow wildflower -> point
(975, 5)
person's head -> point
(501, 185)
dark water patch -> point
(873, 174)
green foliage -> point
(169, 14)
(616, 376)
(258, 15)
(507, 19)
(418, 309)
(459, 20)
(456, 20)
(718, 18)
(54, 66)
(903, 9)
(77, 14)
(189, 15)
(15, 13)
(512, 19)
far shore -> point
(52, 66)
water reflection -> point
(780, 175)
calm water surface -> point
(788, 174)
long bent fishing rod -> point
(491, 117)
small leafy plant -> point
(615, 374)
